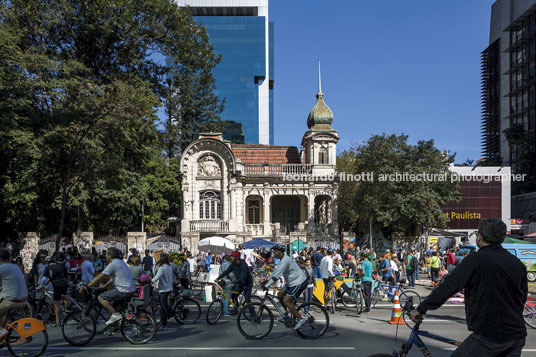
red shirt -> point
(73, 263)
(450, 258)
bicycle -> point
(215, 309)
(25, 336)
(385, 290)
(184, 309)
(415, 337)
(354, 297)
(529, 312)
(259, 317)
(79, 326)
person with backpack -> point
(57, 274)
(411, 267)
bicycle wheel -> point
(100, 315)
(359, 301)
(25, 310)
(187, 311)
(529, 312)
(405, 295)
(46, 312)
(155, 310)
(255, 321)
(214, 312)
(348, 298)
(139, 330)
(333, 299)
(32, 346)
(78, 328)
(317, 320)
(377, 295)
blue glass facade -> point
(271, 46)
(241, 41)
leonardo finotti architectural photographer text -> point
(405, 177)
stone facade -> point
(242, 191)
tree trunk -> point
(62, 219)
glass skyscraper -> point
(243, 36)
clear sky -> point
(390, 66)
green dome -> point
(321, 116)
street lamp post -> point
(370, 233)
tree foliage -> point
(399, 206)
(80, 85)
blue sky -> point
(390, 66)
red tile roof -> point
(272, 154)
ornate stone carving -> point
(207, 166)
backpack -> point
(414, 263)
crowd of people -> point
(489, 276)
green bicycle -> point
(215, 309)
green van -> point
(527, 254)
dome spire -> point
(319, 82)
(321, 116)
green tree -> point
(398, 207)
(82, 83)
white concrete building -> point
(244, 191)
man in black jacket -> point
(244, 280)
(495, 284)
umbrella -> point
(258, 243)
(216, 245)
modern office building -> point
(509, 98)
(243, 36)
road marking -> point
(446, 305)
(152, 348)
(524, 350)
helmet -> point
(145, 278)
(235, 254)
(281, 247)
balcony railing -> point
(209, 226)
(255, 229)
(277, 169)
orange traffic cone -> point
(396, 315)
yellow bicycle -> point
(26, 337)
(215, 309)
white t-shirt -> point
(394, 267)
(326, 267)
(12, 283)
(121, 275)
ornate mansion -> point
(279, 193)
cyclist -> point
(496, 287)
(118, 272)
(243, 278)
(295, 283)
(326, 273)
(13, 290)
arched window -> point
(209, 205)
(254, 216)
(323, 156)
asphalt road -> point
(349, 335)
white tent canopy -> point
(216, 245)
